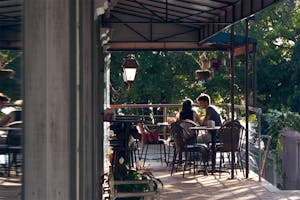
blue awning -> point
(225, 38)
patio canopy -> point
(144, 24)
(173, 24)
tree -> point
(277, 31)
(11, 86)
(162, 77)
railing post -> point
(164, 120)
(259, 112)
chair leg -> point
(160, 154)
(164, 148)
(145, 154)
(220, 164)
(186, 162)
(239, 159)
(169, 151)
(138, 148)
(174, 160)
(9, 164)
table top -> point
(205, 128)
(163, 124)
(5, 128)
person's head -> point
(203, 100)
(3, 100)
(187, 105)
(18, 103)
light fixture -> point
(129, 67)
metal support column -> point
(247, 94)
(232, 90)
(254, 76)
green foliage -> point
(166, 77)
(125, 174)
(11, 86)
(162, 77)
(278, 64)
(274, 121)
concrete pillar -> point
(290, 159)
(62, 101)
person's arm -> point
(196, 118)
(177, 116)
(207, 116)
(204, 122)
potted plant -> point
(208, 62)
(126, 183)
(218, 62)
(205, 72)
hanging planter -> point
(208, 62)
(215, 64)
(204, 74)
(6, 73)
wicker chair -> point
(230, 135)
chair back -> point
(180, 131)
(14, 136)
(229, 136)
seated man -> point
(211, 114)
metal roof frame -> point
(144, 24)
(173, 24)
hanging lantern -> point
(129, 67)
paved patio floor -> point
(198, 186)
(212, 187)
(10, 188)
(191, 187)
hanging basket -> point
(6, 73)
(216, 64)
(203, 74)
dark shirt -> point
(214, 115)
(18, 115)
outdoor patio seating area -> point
(190, 187)
(211, 186)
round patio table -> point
(213, 132)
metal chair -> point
(14, 146)
(197, 155)
(185, 140)
(142, 129)
(230, 135)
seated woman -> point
(12, 116)
(187, 112)
(4, 118)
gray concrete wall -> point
(291, 159)
(63, 102)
